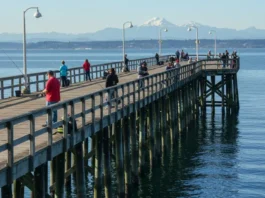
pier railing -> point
(93, 112)
(8, 85)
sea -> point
(221, 157)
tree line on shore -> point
(143, 44)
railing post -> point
(2, 89)
(49, 153)
(32, 142)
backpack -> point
(70, 127)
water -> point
(222, 157)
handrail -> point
(8, 85)
(92, 114)
(76, 74)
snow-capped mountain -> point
(158, 22)
(148, 30)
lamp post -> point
(36, 15)
(123, 40)
(197, 41)
(214, 32)
(160, 40)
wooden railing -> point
(90, 112)
(8, 85)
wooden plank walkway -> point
(15, 106)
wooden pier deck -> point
(13, 107)
(21, 119)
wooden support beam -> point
(163, 120)
(85, 148)
(119, 159)
(172, 111)
(151, 133)
(18, 189)
(40, 184)
(134, 161)
(80, 171)
(213, 92)
(6, 191)
(142, 135)
(68, 164)
(179, 110)
(59, 175)
(127, 166)
(98, 165)
(107, 165)
(157, 131)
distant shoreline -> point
(135, 44)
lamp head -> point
(37, 14)
(189, 29)
(131, 25)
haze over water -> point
(221, 157)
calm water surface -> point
(221, 157)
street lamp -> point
(197, 41)
(160, 40)
(123, 41)
(214, 32)
(37, 14)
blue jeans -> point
(87, 75)
(54, 113)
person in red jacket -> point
(86, 67)
(52, 91)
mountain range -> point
(147, 31)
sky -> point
(80, 16)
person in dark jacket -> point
(126, 62)
(142, 72)
(157, 58)
(111, 80)
(223, 58)
(177, 54)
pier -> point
(143, 123)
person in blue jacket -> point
(63, 74)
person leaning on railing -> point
(157, 58)
(86, 67)
(63, 73)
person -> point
(157, 58)
(190, 60)
(126, 62)
(209, 55)
(177, 54)
(182, 55)
(169, 66)
(186, 56)
(176, 64)
(111, 80)
(169, 78)
(63, 74)
(227, 57)
(52, 92)
(223, 58)
(172, 59)
(86, 67)
(234, 59)
(142, 72)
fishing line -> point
(12, 61)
